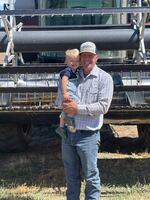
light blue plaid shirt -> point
(95, 92)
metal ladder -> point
(11, 27)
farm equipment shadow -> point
(124, 171)
(114, 144)
(41, 164)
(126, 145)
(45, 169)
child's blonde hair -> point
(73, 53)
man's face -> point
(88, 61)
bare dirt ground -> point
(125, 131)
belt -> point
(86, 131)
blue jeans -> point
(80, 150)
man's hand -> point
(66, 97)
(70, 107)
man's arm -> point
(93, 109)
(103, 103)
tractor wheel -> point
(14, 137)
(144, 133)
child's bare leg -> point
(62, 122)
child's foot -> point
(62, 132)
(70, 124)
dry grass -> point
(35, 176)
(40, 176)
(117, 156)
(139, 192)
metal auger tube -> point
(59, 40)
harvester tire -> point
(144, 133)
(14, 137)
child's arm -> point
(64, 88)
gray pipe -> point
(54, 40)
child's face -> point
(72, 62)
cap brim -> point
(88, 52)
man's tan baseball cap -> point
(88, 47)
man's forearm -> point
(94, 109)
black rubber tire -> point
(14, 137)
(144, 133)
(110, 143)
(107, 138)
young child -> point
(67, 89)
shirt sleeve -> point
(104, 100)
(65, 72)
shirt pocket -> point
(92, 96)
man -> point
(79, 150)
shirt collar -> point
(94, 72)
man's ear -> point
(97, 57)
